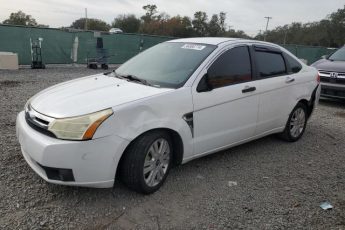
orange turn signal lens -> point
(93, 127)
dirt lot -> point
(279, 185)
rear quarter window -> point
(295, 66)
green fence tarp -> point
(309, 53)
(57, 45)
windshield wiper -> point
(133, 78)
(107, 73)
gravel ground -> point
(273, 184)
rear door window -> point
(270, 64)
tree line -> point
(152, 22)
(22, 19)
(159, 23)
(329, 32)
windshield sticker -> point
(193, 47)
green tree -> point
(213, 27)
(20, 18)
(128, 23)
(149, 16)
(178, 26)
(236, 34)
(187, 27)
(200, 23)
(92, 24)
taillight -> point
(318, 77)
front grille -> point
(38, 122)
(326, 76)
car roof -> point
(206, 40)
(219, 40)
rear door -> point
(227, 114)
(275, 84)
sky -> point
(246, 15)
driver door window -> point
(232, 67)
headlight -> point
(79, 128)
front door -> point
(227, 113)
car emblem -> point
(333, 75)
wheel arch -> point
(176, 138)
(304, 101)
(310, 104)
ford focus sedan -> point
(177, 101)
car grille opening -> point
(38, 124)
(326, 76)
(42, 121)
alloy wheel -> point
(297, 122)
(156, 162)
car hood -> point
(332, 66)
(89, 94)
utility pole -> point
(286, 32)
(85, 25)
(268, 20)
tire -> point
(93, 66)
(298, 119)
(141, 154)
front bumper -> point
(332, 90)
(92, 163)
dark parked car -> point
(332, 73)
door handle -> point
(289, 80)
(248, 89)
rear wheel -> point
(296, 123)
(147, 162)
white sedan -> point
(177, 101)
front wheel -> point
(296, 123)
(147, 161)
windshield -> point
(339, 55)
(167, 64)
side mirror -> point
(204, 84)
(325, 56)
